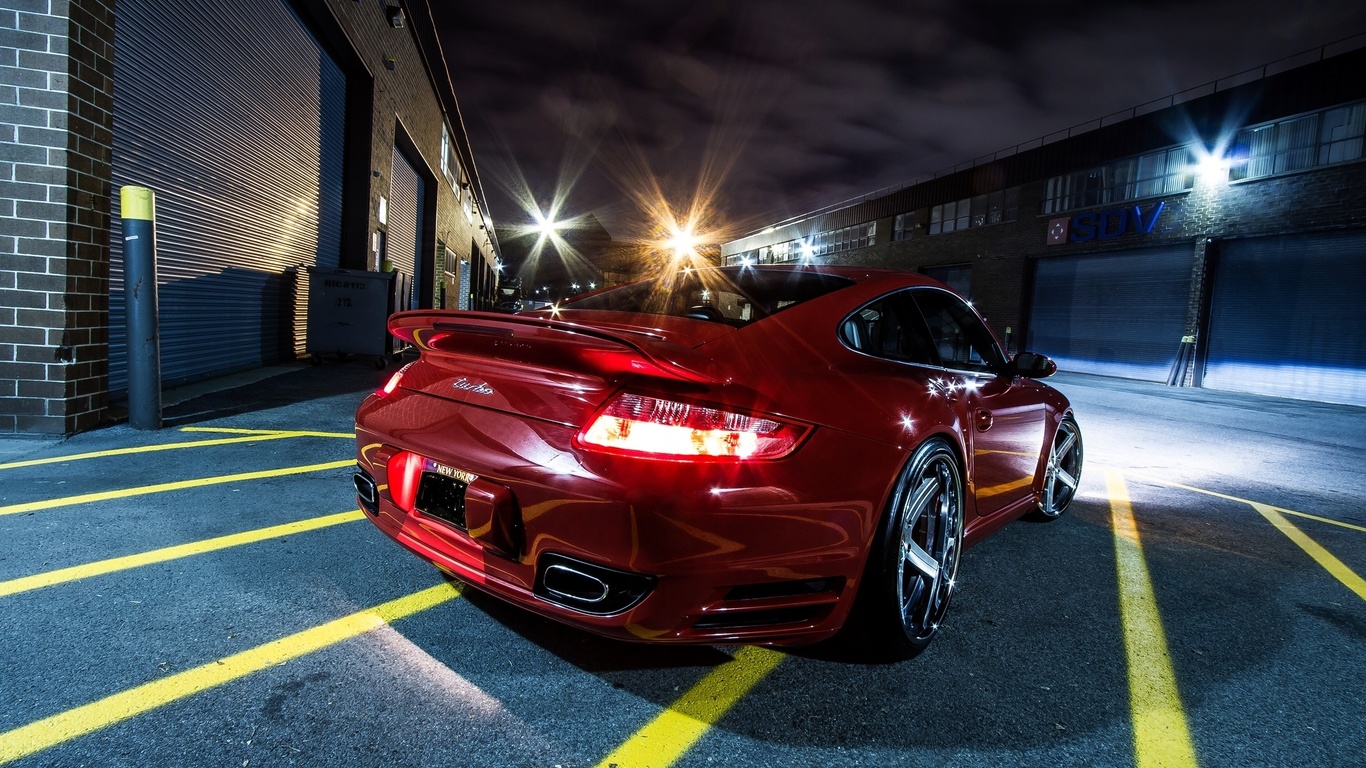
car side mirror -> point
(1033, 366)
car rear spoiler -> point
(543, 341)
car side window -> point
(961, 341)
(890, 327)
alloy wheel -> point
(931, 537)
(1063, 473)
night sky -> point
(769, 109)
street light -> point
(1212, 168)
(546, 226)
(682, 243)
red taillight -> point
(405, 472)
(392, 383)
(650, 426)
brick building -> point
(1213, 238)
(279, 137)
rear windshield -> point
(732, 295)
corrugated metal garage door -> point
(1115, 314)
(405, 229)
(234, 117)
(1287, 317)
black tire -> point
(1062, 472)
(911, 569)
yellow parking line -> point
(1323, 557)
(1241, 500)
(296, 433)
(1161, 737)
(252, 438)
(666, 738)
(101, 567)
(1275, 515)
(122, 493)
(65, 726)
(1308, 516)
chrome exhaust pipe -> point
(366, 491)
(593, 589)
(574, 585)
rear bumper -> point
(769, 552)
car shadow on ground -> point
(1031, 656)
(590, 652)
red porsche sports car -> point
(734, 455)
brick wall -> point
(404, 100)
(56, 106)
(56, 87)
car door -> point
(1003, 417)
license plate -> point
(441, 494)
(452, 472)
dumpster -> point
(348, 313)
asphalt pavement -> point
(208, 594)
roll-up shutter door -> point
(235, 119)
(405, 197)
(1115, 314)
(1287, 317)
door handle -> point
(983, 419)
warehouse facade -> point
(280, 138)
(1214, 238)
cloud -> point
(777, 107)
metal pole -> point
(140, 292)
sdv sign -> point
(1103, 225)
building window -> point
(741, 258)
(956, 276)
(450, 167)
(902, 226)
(821, 244)
(775, 254)
(980, 211)
(1163, 172)
(1322, 138)
(1002, 206)
(844, 239)
(945, 217)
(449, 259)
(1342, 133)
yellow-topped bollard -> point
(137, 203)
(138, 211)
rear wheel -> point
(911, 574)
(1063, 471)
